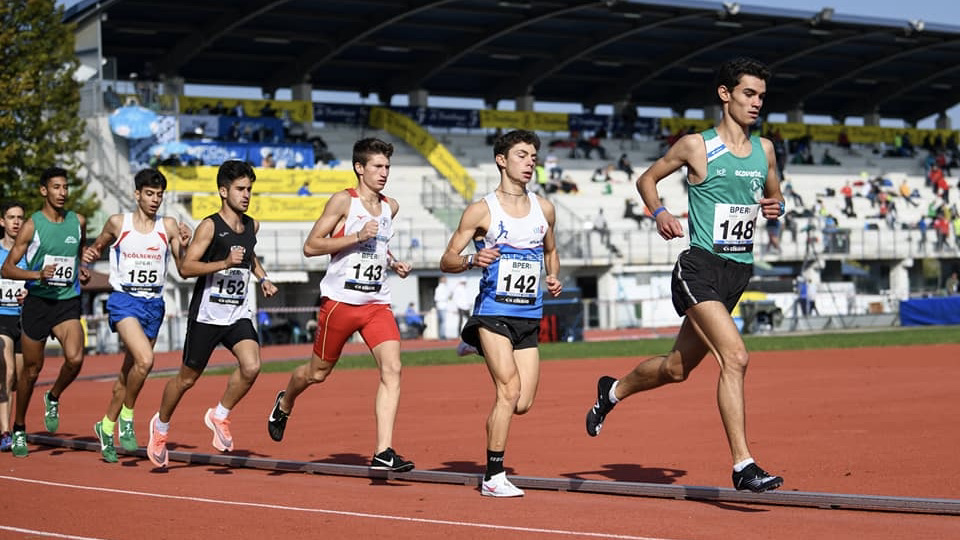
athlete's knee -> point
(318, 374)
(510, 394)
(735, 360)
(523, 407)
(249, 372)
(673, 369)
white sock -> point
(612, 395)
(742, 465)
(221, 412)
(162, 427)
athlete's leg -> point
(315, 371)
(713, 323)
(70, 335)
(8, 362)
(528, 368)
(247, 352)
(387, 402)
(32, 364)
(137, 363)
(675, 366)
(499, 356)
(174, 390)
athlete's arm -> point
(109, 234)
(550, 257)
(680, 154)
(772, 202)
(191, 266)
(175, 241)
(475, 218)
(321, 241)
(84, 273)
(10, 270)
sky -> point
(938, 11)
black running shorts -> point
(39, 315)
(203, 338)
(522, 332)
(700, 276)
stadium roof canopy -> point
(650, 53)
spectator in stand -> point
(600, 226)
(414, 319)
(238, 110)
(268, 111)
(956, 229)
(219, 109)
(552, 164)
(847, 192)
(843, 141)
(566, 185)
(942, 227)
(779, 151)
(269, 162)
(304, 190)
(788, 191)
(773, 235)
(441, 299)
(623, 164)
(463, 299)
(630, 212)
(908, 193)
(827, 159)
(922, 228)
(950, 287)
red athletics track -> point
(855, 421)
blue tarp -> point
(929, 311)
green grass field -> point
(649, 347)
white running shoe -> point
(499, 486)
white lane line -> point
(334, 512)
(45, 533)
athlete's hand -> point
(369, 230)
(668, 226)
(84, 275)
(554, 286)
(268, 288)
(401, 268)
(185, 233)
(236, 256)
(770, 208)
(90, 254)
(47, 272)
(485, 257)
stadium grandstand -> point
(211, 75)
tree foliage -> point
(40, 125)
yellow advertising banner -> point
(299, 111)
(673, 125)
(430, 148)
(492, 118)
(788, 130)
(204, 180)
(266, 207)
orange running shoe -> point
(222, 440)
(157, 447)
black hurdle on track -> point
(838, 501)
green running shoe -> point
(128, 439)
(51, 413)
(107, 450)
(19, 447)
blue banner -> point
(588, 122)
(337, 113)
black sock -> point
(19, 427)
(52, 398)
(494, 463)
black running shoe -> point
(601, 408)
(389, 460)
(755, 479)
(277, 422)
